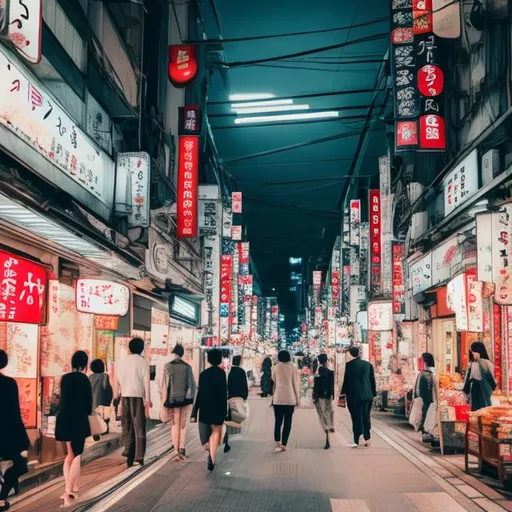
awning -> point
(26, 218)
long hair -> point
(479, 348)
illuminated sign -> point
(187, 186)
(182, 64)
(101, 297)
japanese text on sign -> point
(101, 297)
(187, 186)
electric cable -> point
(308, 180)
(288, 34)
(287, 164)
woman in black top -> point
(72, 424)
(212, 405)
(266, 378)
(237, 388)
(14, 442)
(323, 395)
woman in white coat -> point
(286, 397)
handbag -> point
(97, 425)
(342, 401)
(431, 418)
(416, 413)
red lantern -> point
(182, 64)
(430, 81)
(432, 132)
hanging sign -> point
(187, 186)
(445, 259)
(406, 135)
(33, 115)
(461, 183)
(484, 242)
(355, 219)
(138, 167)
(100, 297)
(475, 304)
(357, 298)
(456, 300)
(421, 274)
(243, 250)
(502, 256)
(190, 120)
(207, 217)
(26, 28)
(398, 279)
(236, 233)
(335, 288)
(106, 323)
(317, 278)
(183, 66)
(225, 285)
(446, 18)
(498, 343)
(380, 316)
(375, 240)
(236, 202)
(422, 14)
(22, 290)
(227, 222)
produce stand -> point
(489, 439)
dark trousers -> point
(283, 414)
(134, 429)
(361, 411)
(11, 476)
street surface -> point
(391, 476)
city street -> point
(391, 475)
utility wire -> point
(305, 96)
(308, 180)
(287, 164)
(321, 70)
(288, 34)
(366, 39)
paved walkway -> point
(390, 476)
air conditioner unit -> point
(490, 166)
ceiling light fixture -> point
(257, 104)
(250, 97)
(287, 117)
(275, 108)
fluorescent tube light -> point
(287, 117)
(255, 104)
(276, 108)
(249, 97)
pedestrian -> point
(424, 387)
(133, 389)
(102, 392)
(266, 377)
(323, 395)
(479, 382)
(360, 390)
(14, 442)
(72, 423)
(211, 405)
(237, 388)
(178, 392)
(286, 397)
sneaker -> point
(353, 445)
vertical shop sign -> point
(317, 278)
(137, 168)
(502, 256)
(398, 280)
(355, 219)
(364, 251)
(375, 241)
(335, 288)
(236, 202)
(498, 345)
(484, 241)
(243, 252)
(211, 281)
(357, 299)
(26, 28)
(227, 222)
(475, 304)
(345, 282)
(461, 183)
(23, 286)
(346, 227)
(187, 186)
(236, 233)
(225, 285)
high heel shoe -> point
(211, 465)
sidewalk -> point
(97, 470)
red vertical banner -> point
(498, 346)
(187, 186)
(226, 263)
(398, 280)
(335, 287)
(375, 239)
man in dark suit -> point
(360, 390)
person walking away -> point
(424, 387)
(178, 392)
(211, 405)
(286, 397)
(266, 378)
(323, 395)
(133, 388)
(14, 442)
(237, 388)
(72, 423)
(360, 389)
(102, 392)
(479, 382)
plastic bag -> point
(416, 413)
